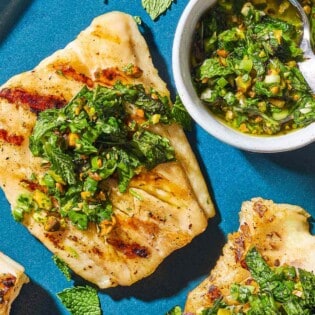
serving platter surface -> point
(36, 30)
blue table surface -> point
(31, 30)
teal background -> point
(31, 30)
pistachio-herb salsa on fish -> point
(101, 133)
(244, 68)
(279, 290)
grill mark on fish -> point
(110, 76)
(33, 100)
(213, 293)
(129, 250)
(56, 239)
(11, 138)
(38, 103)
(70, 73)
(149, 229)
(97, 251)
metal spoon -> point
(307, 67)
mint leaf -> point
(154, 148)
(180, 114)
(61, 162)
(156, 7)
(80, 300)
(62, 266)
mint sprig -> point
(156, 7)
(80, 300)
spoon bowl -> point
(307, 66)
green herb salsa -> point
(282, 290)
(244, 68)
(102, 133)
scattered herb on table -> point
(180, 114)
(244, 67)
(81, 300)
(156, 7)
(62, 266)
(102, 133)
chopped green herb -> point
(102, 133)
(24, 204)
(244, 67)
(218, 304)
(180, 114)
(81, 300)
(278, 290)
(62, 266)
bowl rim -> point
(198, 111)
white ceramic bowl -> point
(198, 111)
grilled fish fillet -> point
(280, 232)
(175, 204)
(12, 278)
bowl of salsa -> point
(235, 66)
